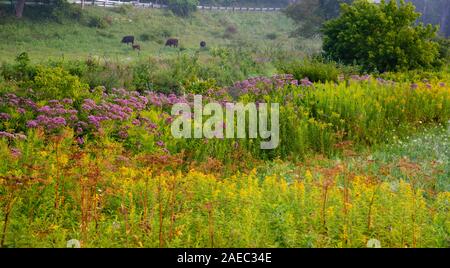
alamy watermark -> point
(222, 125)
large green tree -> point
(381, 37)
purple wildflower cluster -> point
(16, 101)
(305, 82)
(56, 114)
(263, 85)
(50, 123)
(4, 116)
(119, 105)
(122, 105)
(163, 100)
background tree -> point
(20, 5)
(183, 8)
(311, 14)
(381, 37)
(435, 12)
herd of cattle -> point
(171, 42)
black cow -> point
(128, 39)
(172, 42)
(202, 44)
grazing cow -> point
(202, 44)
(138, 47)
(172, 42)
(128, 39)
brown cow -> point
(138, 47)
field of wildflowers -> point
(102, 167)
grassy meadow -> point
(44, 39)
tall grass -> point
(106, 199)
(45, 38)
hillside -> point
(45, 38)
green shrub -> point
(109, 75)
(416, 75)
(381, 37)
(57, 83)
(92, 72)
(165, 33)
(315, 71)
(200, 86)
(142, 75)
(183, 8)
(21, 70)
(144, 37)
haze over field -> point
(318, 126)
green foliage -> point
(183, 8)
(108, 74)
(272, 36)
(55, 82)
(19, 71)
(435, 12)
(108, 198)
(314, 70)
(99, 22)
(123, 9)
(142, 75)
(145, 37)
(444, 49)
(413, 76)
(199, 86)
(311, 14)
(380, 37)
(63, 11)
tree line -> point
(310, 13)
